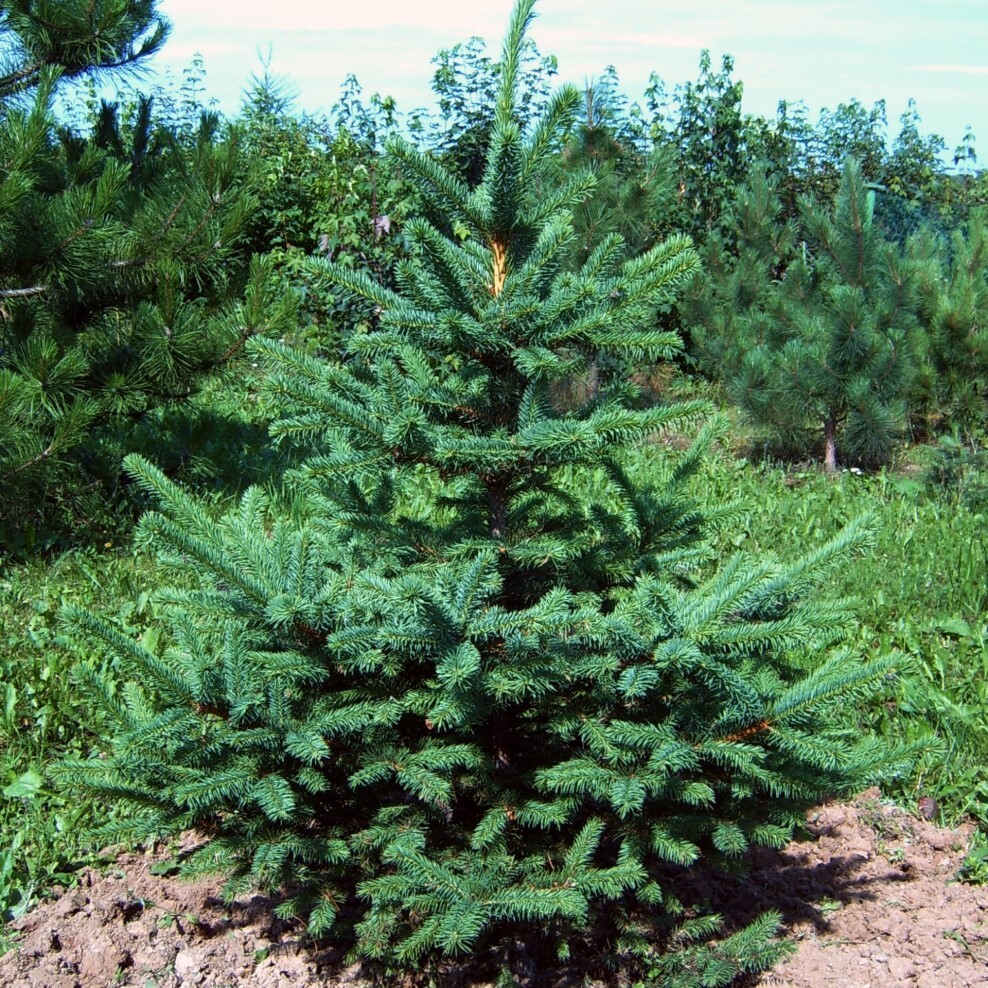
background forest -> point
(651, 376)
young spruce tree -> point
(471, 695)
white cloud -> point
(820, 51)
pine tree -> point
(727, 305)
(632, 195)
(43, 40)
(634, 189)
(472, 691)
(835, 348)
(122, 276)
(951, 392)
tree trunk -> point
(830, 444)
(497, 501)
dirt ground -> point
(869, 899)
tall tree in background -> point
(635, 186)
(465, 84)
(470, 694)
(831, 366)
(952, 280)
(709, 133)
(727, 307)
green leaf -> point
(166, 868)
(25, 786)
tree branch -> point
(43, 455)
(23, 292)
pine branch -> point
(23, 292)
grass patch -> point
(44, 716)
(216, 444)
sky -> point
(823, 53)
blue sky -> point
(823, 53)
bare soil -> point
(870, 900)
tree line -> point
(146, 238)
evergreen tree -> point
(121, 266)
(42, 40)
(952, 276)
(471, 692)
(634, 187)
(832, 351)
(727, 305)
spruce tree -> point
(472, 691)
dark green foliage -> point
(123, 277)
(469, 692)
(807, 159)
(635, 189)
(287, 150)
(915, 169)
(324, 188)
(717, 145)
(42, 39)
(958, 472)
(818, 342)
(727, 306)
(710, 135)
(952, 279)
(852, 130)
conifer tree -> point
(472, 692)
(951, 392)
(830, 348)
(726, 307)
(42, 40)
(121, 272)
(634, 187)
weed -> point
(974, 867)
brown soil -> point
(869, 900)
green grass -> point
(44, 716)
(215, 443)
